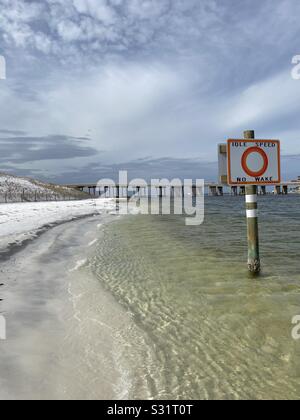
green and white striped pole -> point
(252, 223)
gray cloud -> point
(12, 132)
(76, 26)
(27, 172)
(56, 147)
(149, 168)
(144, 78)
(145, 168)
(83, 33)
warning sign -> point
(253, 162)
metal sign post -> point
(250, 163)
(252, 223)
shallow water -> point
(146, 307)
(65, 334)
(211, 330)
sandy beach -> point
(21, 222)
(63, 329)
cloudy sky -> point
(152, 86)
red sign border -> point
(255, 141)
(263, 155)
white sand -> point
(67, 338)
(22, 221)
(65, 334)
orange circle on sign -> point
(246, 167)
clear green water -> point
(212, 331)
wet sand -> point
(64, 332)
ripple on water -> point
(215, 333)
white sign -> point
(253, 162)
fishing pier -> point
(211, 189)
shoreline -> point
(60, 321)
(22, 230)
(16, 247)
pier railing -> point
(212, 189)
(215, 190)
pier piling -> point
(234, 191)
(278, 189)
(213, 190)
(263, 190)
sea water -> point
(213, 331)
(147, 307)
